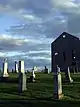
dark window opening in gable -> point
(73, 64)
(73, 55)
(64, 56)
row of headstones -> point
(22, 75)
(58, 82)
(17, 69)
(22, 78)
(5, 69)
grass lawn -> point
(39, 93)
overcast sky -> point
(27, 28)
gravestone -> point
(34, 70)
(32, 78)
(12, 70)
(46, 70)
(68, 76)
(22, 82)
(33, 74)
(57, 84)
(5, 69)
(74, 71)
(16, 67)
(22, 77)
(21, 67)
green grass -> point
(40, 93)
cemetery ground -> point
(39, 93)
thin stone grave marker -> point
(5, 69)
(16, 67)
(57, 84)
(22, 77)
(68, 76)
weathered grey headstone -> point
(22, 77)
(68, 76)
(57, 84)
(16, 67)
(32, 78)
(21, 66)
(5, 69)
(22, 82)
(33, 71)
(33, 74)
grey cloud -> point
(46, 25)
(74, 24)
(50, 27)
(5, 47)
(38, 7)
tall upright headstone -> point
(22, 82)
(22, 77)
(68, 76)
(32, 78)
(16, 67)
(21, 67)
(5, 68)
(33, 74)
(34, 70)
(57, 84)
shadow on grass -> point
(39, 103)
(9, 80)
